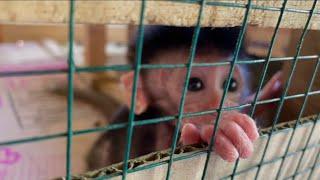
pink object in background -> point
(35, 160)
(53, 65)
(29, 56)
(8, 156)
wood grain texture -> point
(157, 12)
(95, 45)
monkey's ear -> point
(272, 89)
(142, 101)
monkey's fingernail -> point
(206, 133)
(190, 134)
(276, 85)
(233, 157)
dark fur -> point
(110, 146)
(164, 38)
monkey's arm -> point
(110, 146)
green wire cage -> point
(175, 154)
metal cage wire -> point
(72, 69)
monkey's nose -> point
(215, 102)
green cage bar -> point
(304, 150)
(71, 71)
(314, 165)
(145, 66)
(134, 90)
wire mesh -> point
(72, 69)
(182, 101)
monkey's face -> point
(163, 89)
(205, 89)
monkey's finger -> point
(272, 88)
(223, 146)
(238, 138)
(190, 134)
(247, 124)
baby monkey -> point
(159, 93)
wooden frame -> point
(158, 12)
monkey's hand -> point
(234, 138)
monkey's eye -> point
(195, 84)
(233, 86)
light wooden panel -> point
(13, 33)
(157, 12)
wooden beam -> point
(158, 12)
(94, 42)
(105, 83)
(95, 45)
(1, 33)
